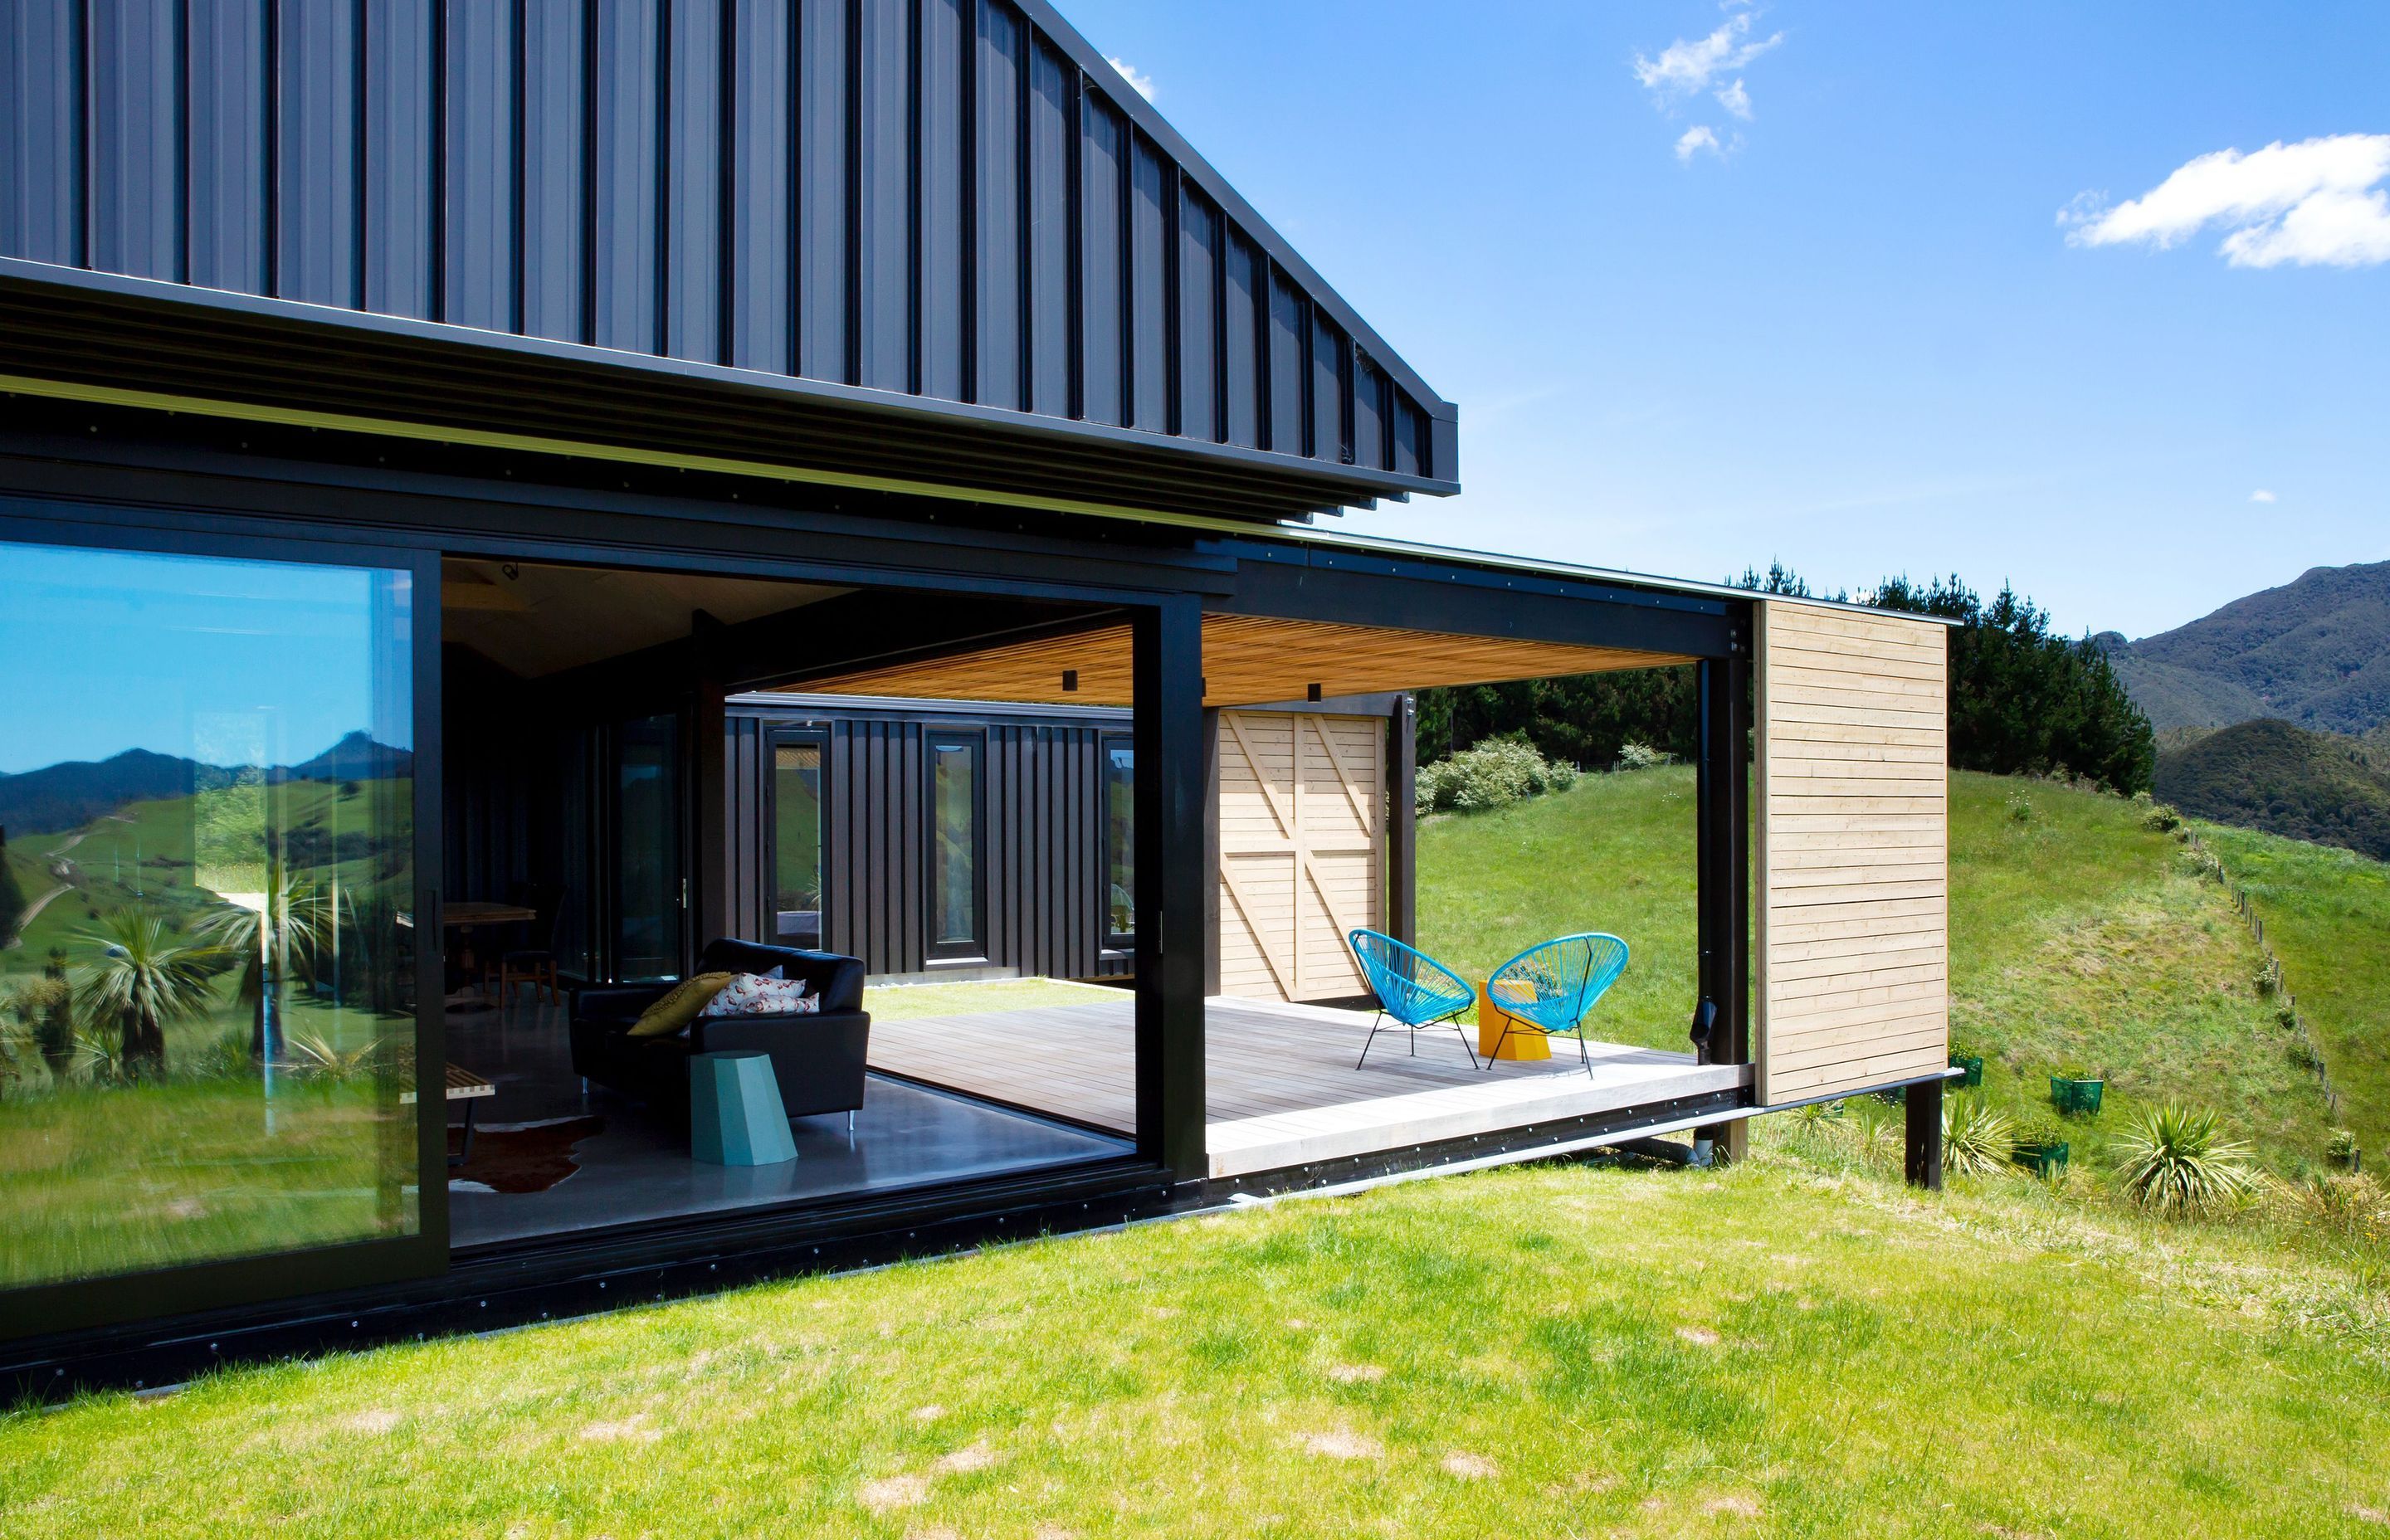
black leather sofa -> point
(819, 1060)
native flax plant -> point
(275, 942)
(2174, 1163)
(144, 980)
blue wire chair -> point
(1412, 987)
(1546, 989)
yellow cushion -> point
(677, 1009)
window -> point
(954, 845)
(796, 794)
(1120, 847)
(207, 910)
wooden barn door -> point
(1302, 830)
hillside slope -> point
(2271, 775)
(2327, 914)
(2315, 651)
(2078, 935)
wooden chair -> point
(532, 963)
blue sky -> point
(1854, 334)
(228, 663)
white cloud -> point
(2261, 495)
(1143, 85)
(1687, 65)
(2315, 203)
(1698, 139)
(1735, 99)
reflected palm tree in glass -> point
(144, 978)
(277, 937)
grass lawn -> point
(903, 1002)
(2077, 936)
(1783, 1349)
(2327, 916)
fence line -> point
(2257, 923)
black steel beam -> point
(1352, 589)
(1171, 881)
(1721, 1023)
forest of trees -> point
(2024, 700)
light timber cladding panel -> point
(1852, 935)
(1302, 830)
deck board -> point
(1281, 1086)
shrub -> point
(2268, 977)
(1642, 756)
(2020, 808)
(2038, 1130)
(2341, 1151)
(2162, 818)
(2173, 1162)
(1494, 774)
(1977, 1138)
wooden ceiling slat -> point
(1248, 659)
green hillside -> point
(2078, 936)
(2271, 775)
(2327, 914)
(2314, 650)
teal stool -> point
(735, 1116)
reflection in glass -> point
(1120, 807)
(953, 861)
(796, 841)
(646, 850)
(206, 888)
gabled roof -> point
(942, 225)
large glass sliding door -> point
(209, 1036)
(650, 891)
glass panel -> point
(1120, 807)
(954, 889)
(206, 893)
(796, 841)
(647, 849)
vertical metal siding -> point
(136, 156)
(1198, 319)
(1149, 290)
(1051, 325)
(555, 171)
(924, 195)
(404, 198)
(692, 180)
(225, 144)
(1102, 287)
(318, 149)
(883, 185)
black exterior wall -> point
(939, 212)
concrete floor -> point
(638, 1169)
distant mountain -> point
(70, 794)
(2315, 652)
(2270, 774)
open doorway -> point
(625, 829)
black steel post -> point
(1171, 882)
(1924, 1125)
(1402, 824)
(1722, 1016)
(708, 913)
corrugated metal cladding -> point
(954, 198)
(1044, 880)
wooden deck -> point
(1281, 1085)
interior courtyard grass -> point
(1780, 1349)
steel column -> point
(1171, 881)
(1722, 1020)
(1924, 1130)
(1401, 822)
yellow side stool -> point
(1526, 1040)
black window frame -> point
(934, 740)
(767, 899)
(609, 830)
(1109, 846)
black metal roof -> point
(939, 237)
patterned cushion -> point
(754, 994)
(677, 1009)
